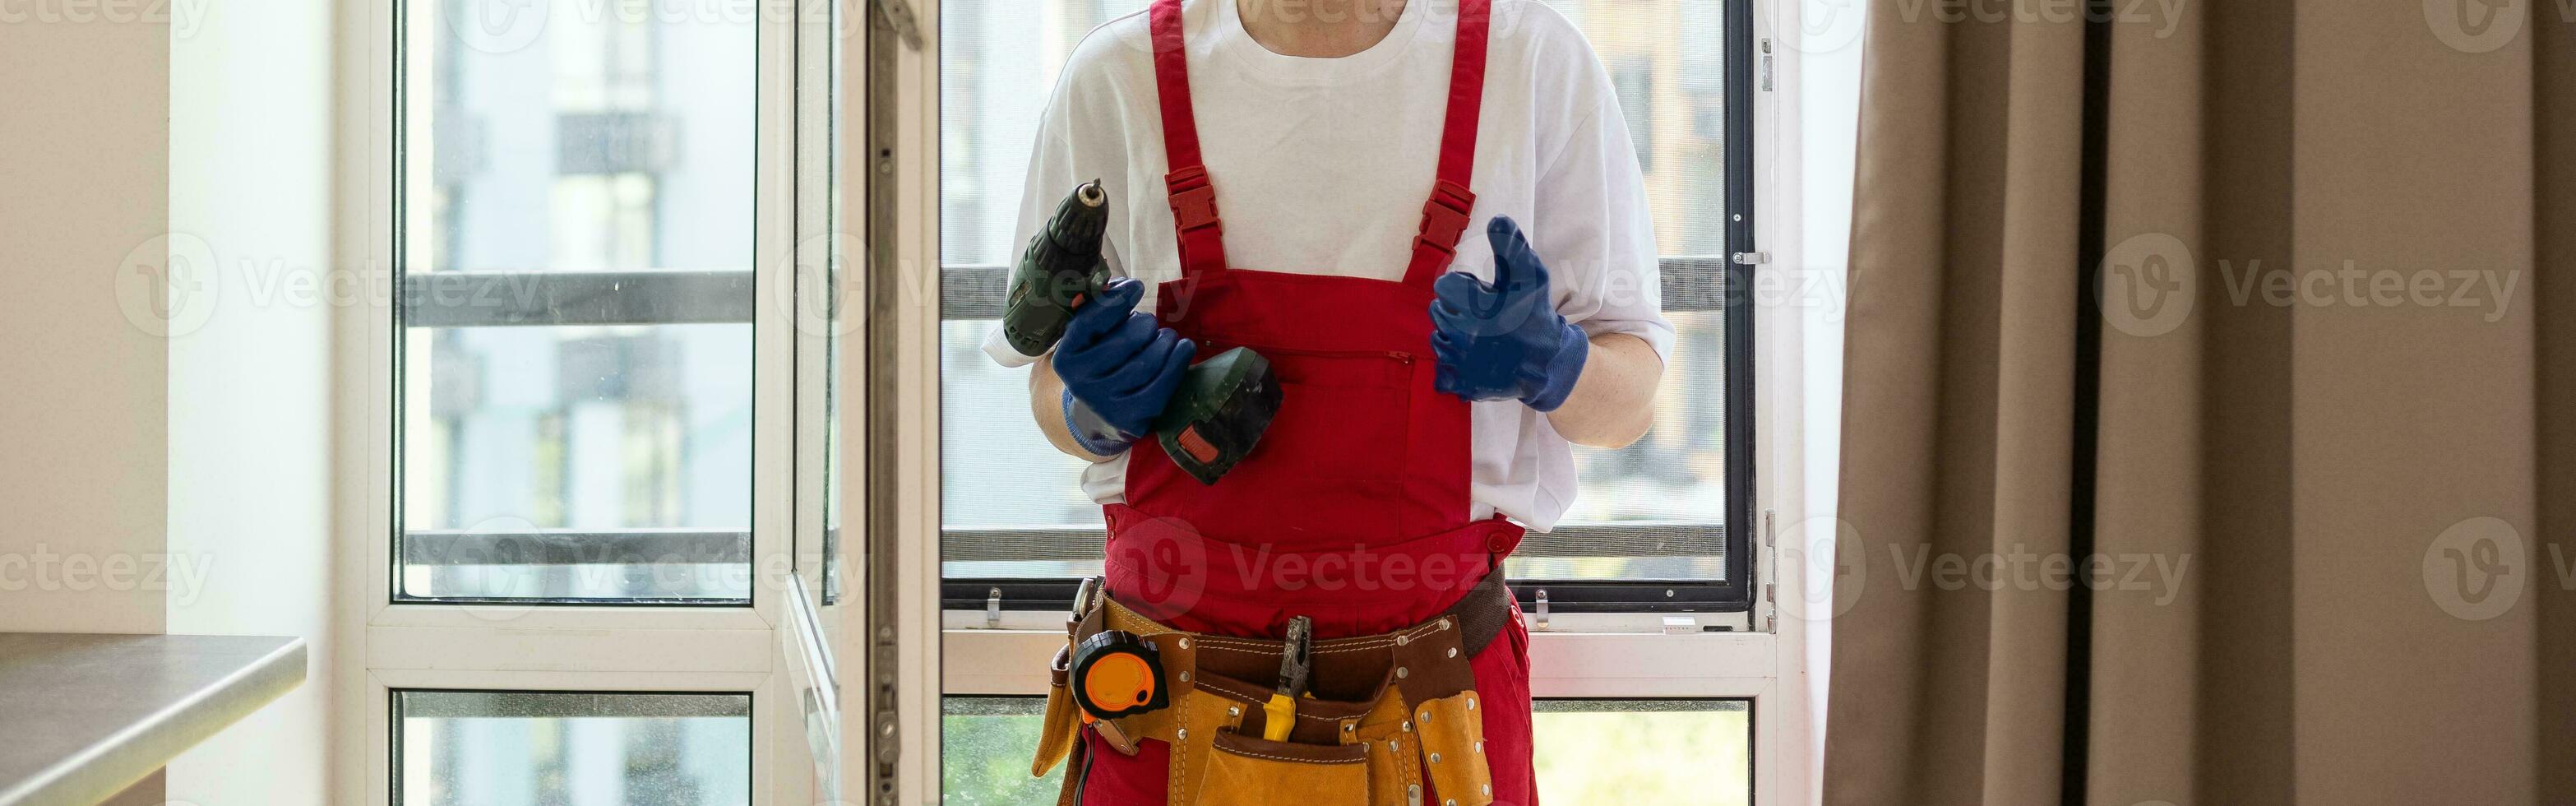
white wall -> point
(250, 434)
(82, 178)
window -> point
(1659, 525)
(489, 748)
(600, 555)
(575, 386)
(1659, 542)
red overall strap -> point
(1193, 199)
(1444, 217)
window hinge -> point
(1752, 258)
(1770, 559)
(1770, 607)
(1542, 610)
(897, 16)
(1766, 64)
(993, 609)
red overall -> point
(1354, 508)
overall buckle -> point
(1444, 217)
(1193, 199)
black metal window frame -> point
(976, 292)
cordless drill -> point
(1223, 404)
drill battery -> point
(1219, 413)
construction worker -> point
(1435, 228)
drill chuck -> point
(1060, 270)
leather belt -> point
(1480, 616)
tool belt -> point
(1382, 720)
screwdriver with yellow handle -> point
(1295, 662)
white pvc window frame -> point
(381, 645)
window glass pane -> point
(1665, 496)
(1654, 510)
(575, 253)
(985, 747)
(1645, 751)
(834, 305)
(478, 748)
(1589, 751)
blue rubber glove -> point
(1119, 368)
(1505, 340)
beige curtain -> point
(2333, 526)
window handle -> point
(898, 17)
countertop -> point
(84, 716)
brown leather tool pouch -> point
(1453, 749)
(1062, 728)
(1062, 725)
(1387, 720)
(1245, 770)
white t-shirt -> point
(1321, 166)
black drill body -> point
(1060, 270)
